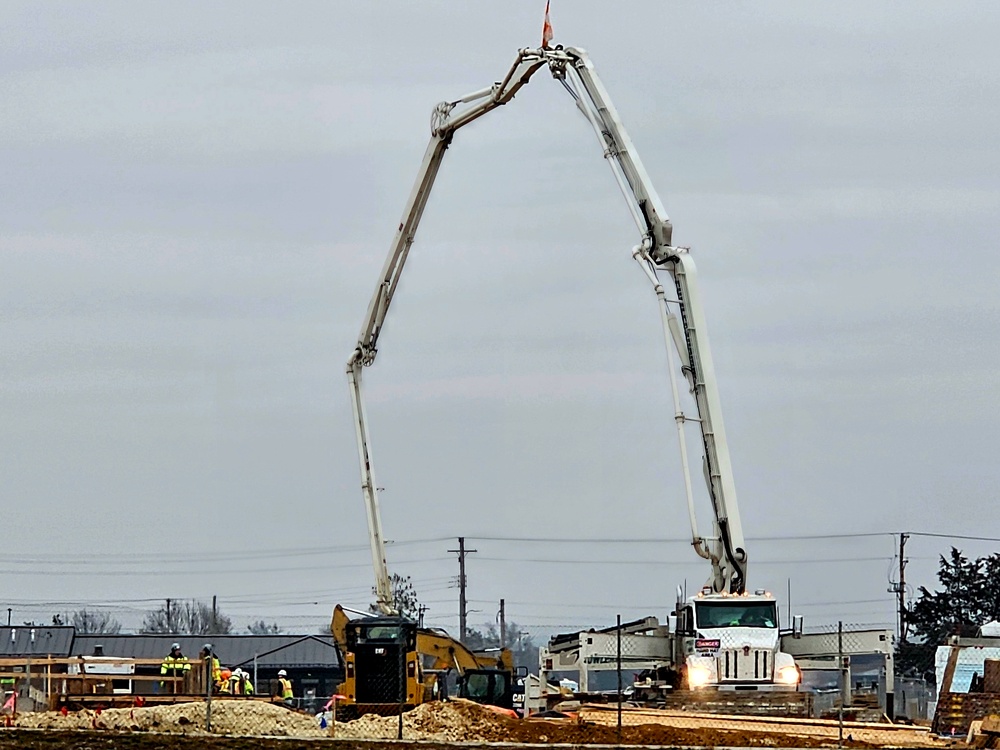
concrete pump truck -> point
(724, 636)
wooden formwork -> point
(956, 711)
(744, 703)
(53, 682)
(991, 676)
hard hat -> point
(175, 646)
(282, 673)
(207, 647)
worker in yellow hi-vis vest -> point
(213, 669)
(175, 664)
(287, 695)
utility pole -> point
(420, 615)
(902, 585)
(170, 620)
(463, 610)
(899, 588)
(215, 610)
(503, 625)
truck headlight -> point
(788, 676)
(698, 676)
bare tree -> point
(262, 628)
(89, 622)
(194, 617)
(199, 618)
(160, 620)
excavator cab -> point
(491, 687)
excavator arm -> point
(338, 627)
(449, 653)
(485, 677)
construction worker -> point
(247, 682)
(213, 670)
(241, 684)
(175, 664)
(287, 695)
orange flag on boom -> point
(546, 28)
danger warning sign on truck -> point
(707, 646)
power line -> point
(634, 606)
(172, 557)
(965, 537)
(682, 562)
(131, 572)
(177, 558)
(674, 540)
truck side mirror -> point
(672, 623)
(796, 626)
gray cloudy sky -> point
(196, 201)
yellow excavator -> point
(392, 665)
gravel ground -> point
(269, 727)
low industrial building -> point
(132, 662)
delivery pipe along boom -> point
(685, 330)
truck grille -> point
(745, 665)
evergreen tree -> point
(968, 597)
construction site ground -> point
(435, 725)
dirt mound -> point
(461, 721)
(476, 721)
(228, 717)
(454, 721)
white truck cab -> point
(731, 642)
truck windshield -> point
(737, 614)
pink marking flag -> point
(546, 28)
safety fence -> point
(140, 694)
(46, 683)
(630, 698)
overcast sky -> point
(196, 202)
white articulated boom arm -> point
(688, 332)
(572, 67)
(444, 122)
